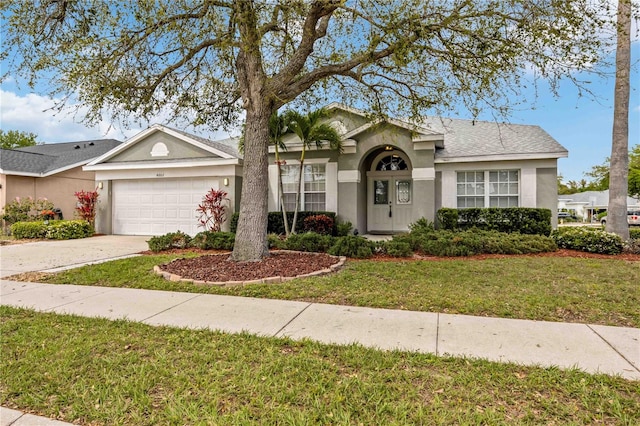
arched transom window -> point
(392, 162)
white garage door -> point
(158, 206)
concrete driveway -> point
(50, 254)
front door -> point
(390, 194)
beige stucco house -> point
(389, 175)
(51, 171)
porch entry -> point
(389, 193)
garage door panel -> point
(158, 206)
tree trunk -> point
(618, 183)
(251, 235)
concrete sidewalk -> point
(592, 348)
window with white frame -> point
(490, 188)
(313, 185)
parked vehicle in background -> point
(633, 218)
(566, 215)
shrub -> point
(343, 228)
(634, 233)
(352, 246)
(421, 225)
(87, 204)
(447, 218)
(589, 240)
(632, 246)
(309, 241)
(69, 229)
(212, 210)
(476, 241)
(513, 219)
(29, 230)
(169, 241)
(209, 240)
(55, 229)
(396, 248)
(26, 209)
(319, 223)
(276, 242)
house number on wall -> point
(160, 174)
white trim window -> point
(489, 188)
(314, 182)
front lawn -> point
(597, 291)
(96, 371)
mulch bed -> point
(218, 267)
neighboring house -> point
(389, 175)
(586, 205)
(51, 171)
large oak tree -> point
(213, 61)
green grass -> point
(597, 291)
(95, 371)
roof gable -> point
(420, 133)
(162, 143)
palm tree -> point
(277, 128)
(310, 129)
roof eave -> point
(157, 164)
(503, 157)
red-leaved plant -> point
(87, 204)
(213, 210)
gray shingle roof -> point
(472, 138)
(43, 159)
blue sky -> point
(583, 125)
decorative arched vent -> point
(159, 150)
(391, 163)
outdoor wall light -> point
(225, 181)
(100, 185)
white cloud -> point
(34, 113)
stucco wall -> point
(59, 188)
(547, 190)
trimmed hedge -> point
(525, 220)
(275, 224)
(588, 239)
(634, 233)
(475, 241)
(53, 229)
